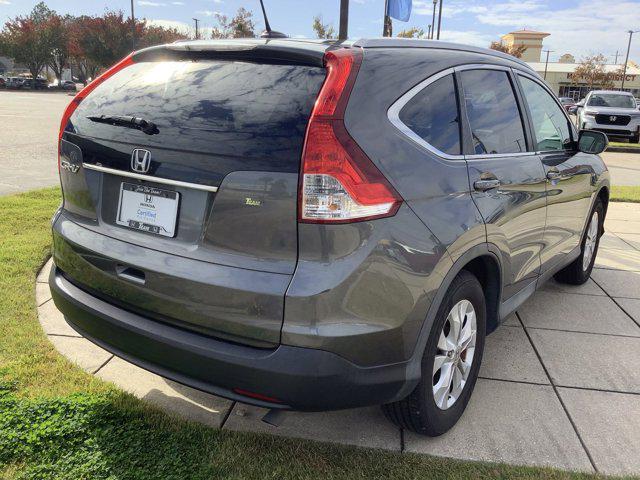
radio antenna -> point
(268, 33)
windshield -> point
(612, 100)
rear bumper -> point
(295, 378)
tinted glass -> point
(493, 112)
(231, 109)
(611, 100)
(550, 125)
(433, 115)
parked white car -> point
(612, 112)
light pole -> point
(439, 18)
(626, 60)
(429, 32)
(196, 22)
(433, 19)
(133, 28)
(343, 31)
(546, 63)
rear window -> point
(219, 107)
(494, 117)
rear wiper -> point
(138, 123)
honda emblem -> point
(612, 118)
(140, 160)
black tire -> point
(419, 412)
(635, 138)
(575, 273)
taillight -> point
(82, 94)
(339, 183)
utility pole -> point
(439, 18)
(429, 32)
(344, 20)
(546, 63)
(624, 73)
(197, 34)
(387, 26)
(133, 28)
(615, 62)
(433, 18)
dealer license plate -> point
(148, 209)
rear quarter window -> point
(432, 114)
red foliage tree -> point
(28, 39)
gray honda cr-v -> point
(315, 225)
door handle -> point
(484, 185)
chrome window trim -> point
(149, 178)
(393, 114)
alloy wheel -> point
(454, 355)
(590, 242)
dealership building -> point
(560, 75)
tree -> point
(28, 40)
(323, 30)
(60, 33)
(413, 32)
(240, 26)
(513, 50)
(157, 35)
(592, 70)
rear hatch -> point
(197, 215)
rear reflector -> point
(257, 396)
(339, 183)
(82, 94)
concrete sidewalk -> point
(559, 386)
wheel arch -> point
(603, 196)
(483, 261)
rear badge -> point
(252, 202)
(70, 167)
(140, 160)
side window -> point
(433, 115)
(494, 117)
(550, 125)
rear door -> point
(215, 183)
(568, 173)
(507, 181)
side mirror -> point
(591, 141)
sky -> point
(579, 27)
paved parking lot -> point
(559, 386)
(29, 124)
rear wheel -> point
(579, 271)
(450, 363)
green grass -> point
(625, 194)
(624, 145)
(56, 422)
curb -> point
(623, 149)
